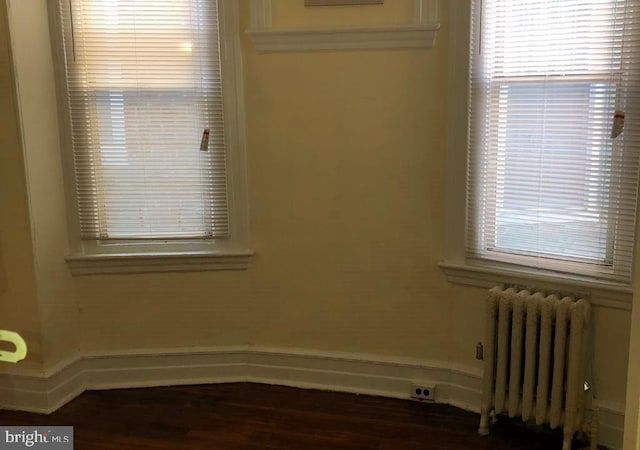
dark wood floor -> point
(255, 416)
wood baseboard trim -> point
(335, 371)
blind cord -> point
(73, 38)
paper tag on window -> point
(618, 124)
(204, 143)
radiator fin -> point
(531, 352)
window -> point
(549, 186)
(144, 81)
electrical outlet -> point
(423, 392)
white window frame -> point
(480, 273)
(162, 255)
(421, 33)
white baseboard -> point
(335, 371)
(611, 417)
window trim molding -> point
(158, 262)
(600, 293)
(421, 33)
(234, 253)
(457, 128)
(485, 274)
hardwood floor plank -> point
(254, 416)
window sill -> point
(600, 293)
(80, 264)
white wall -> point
(18, 302)
(36, 95)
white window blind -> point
(143, 83)
(548, 187)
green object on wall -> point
(21, 347)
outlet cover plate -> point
(423, 392)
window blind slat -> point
(547, 185)
(143, 83)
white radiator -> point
(535, 359)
